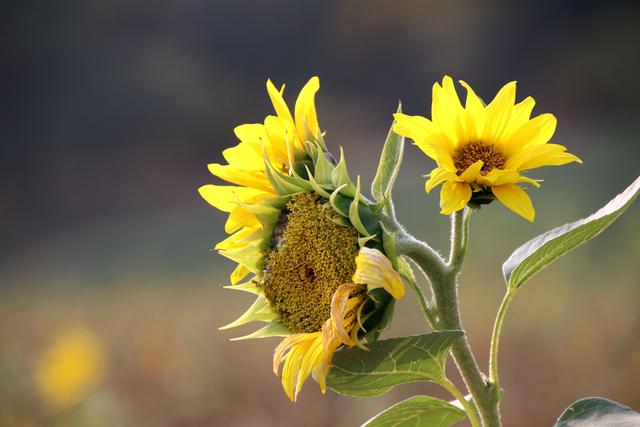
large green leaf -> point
(541, 251)
(418, 411)
(389, 165)
(386, 364)
(598, 412)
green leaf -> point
(598, 412)
(541, 251)
(388, 363)
(418, 411)
(389, 165)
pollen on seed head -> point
(311, 256)
(470, 153)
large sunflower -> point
(311, 240)
(482, 151)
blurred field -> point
(112, 111)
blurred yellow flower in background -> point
(70, 368)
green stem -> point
(469, 408)
(495, 341)
(444, 281)
(424, 303)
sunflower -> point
(482, 151)
(311, 241)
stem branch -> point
(469, 408)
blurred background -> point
(110, 295)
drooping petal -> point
(437, 176)
(339, 302)
(374, 269)
(454, 196)
(516, 199)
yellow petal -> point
(521, 113)
(278, 102)
(499, 177)
(446, 110)
(251, 132)
(246, 156)
(423, 132)
(305, 110)
(499, 113)
(226, 197)
(475, 114)
(536, 131)
(473, 172)
(238, 176)
(535, 156)
(516, 199)
(454, 196)
(437, 176)
(374, 269)
(240, 217)
(239, 273)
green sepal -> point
(340, 203)
(275, 328)
(389, 245)
(322, 168)
(389, 165)
(340, 177)
(283, 184)
(317, 187)
(354, 214)
(251, 286)
(266, 214)
(362, 241)
(341, 221)
(260, 311)
(379, 312)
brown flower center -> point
(311, 257)
(470, 153)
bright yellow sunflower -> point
(482, 151)
(311, 240)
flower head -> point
(482, 151)
(312, 242)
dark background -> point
(111, 111)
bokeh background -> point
(111, 111)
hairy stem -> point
(444, 281)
